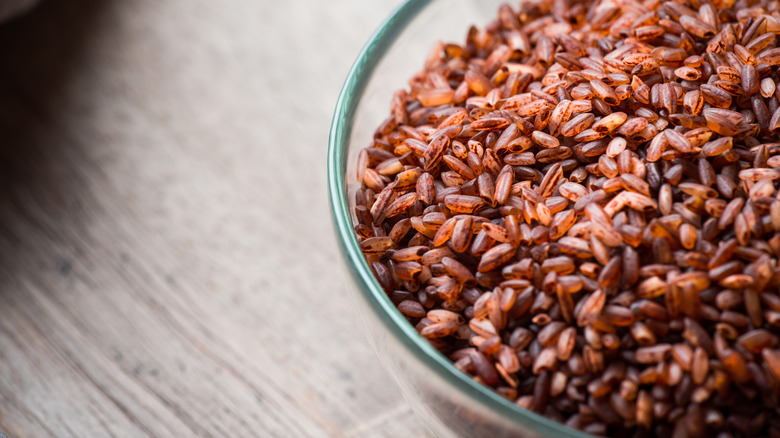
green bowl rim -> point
(341, 127)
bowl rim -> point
(341, 128)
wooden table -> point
(167, 260)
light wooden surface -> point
(167, 262)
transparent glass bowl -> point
(450, 402)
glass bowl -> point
(449, 401)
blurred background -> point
(167, 261)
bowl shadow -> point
(39, 175)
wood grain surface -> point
(167, 263)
